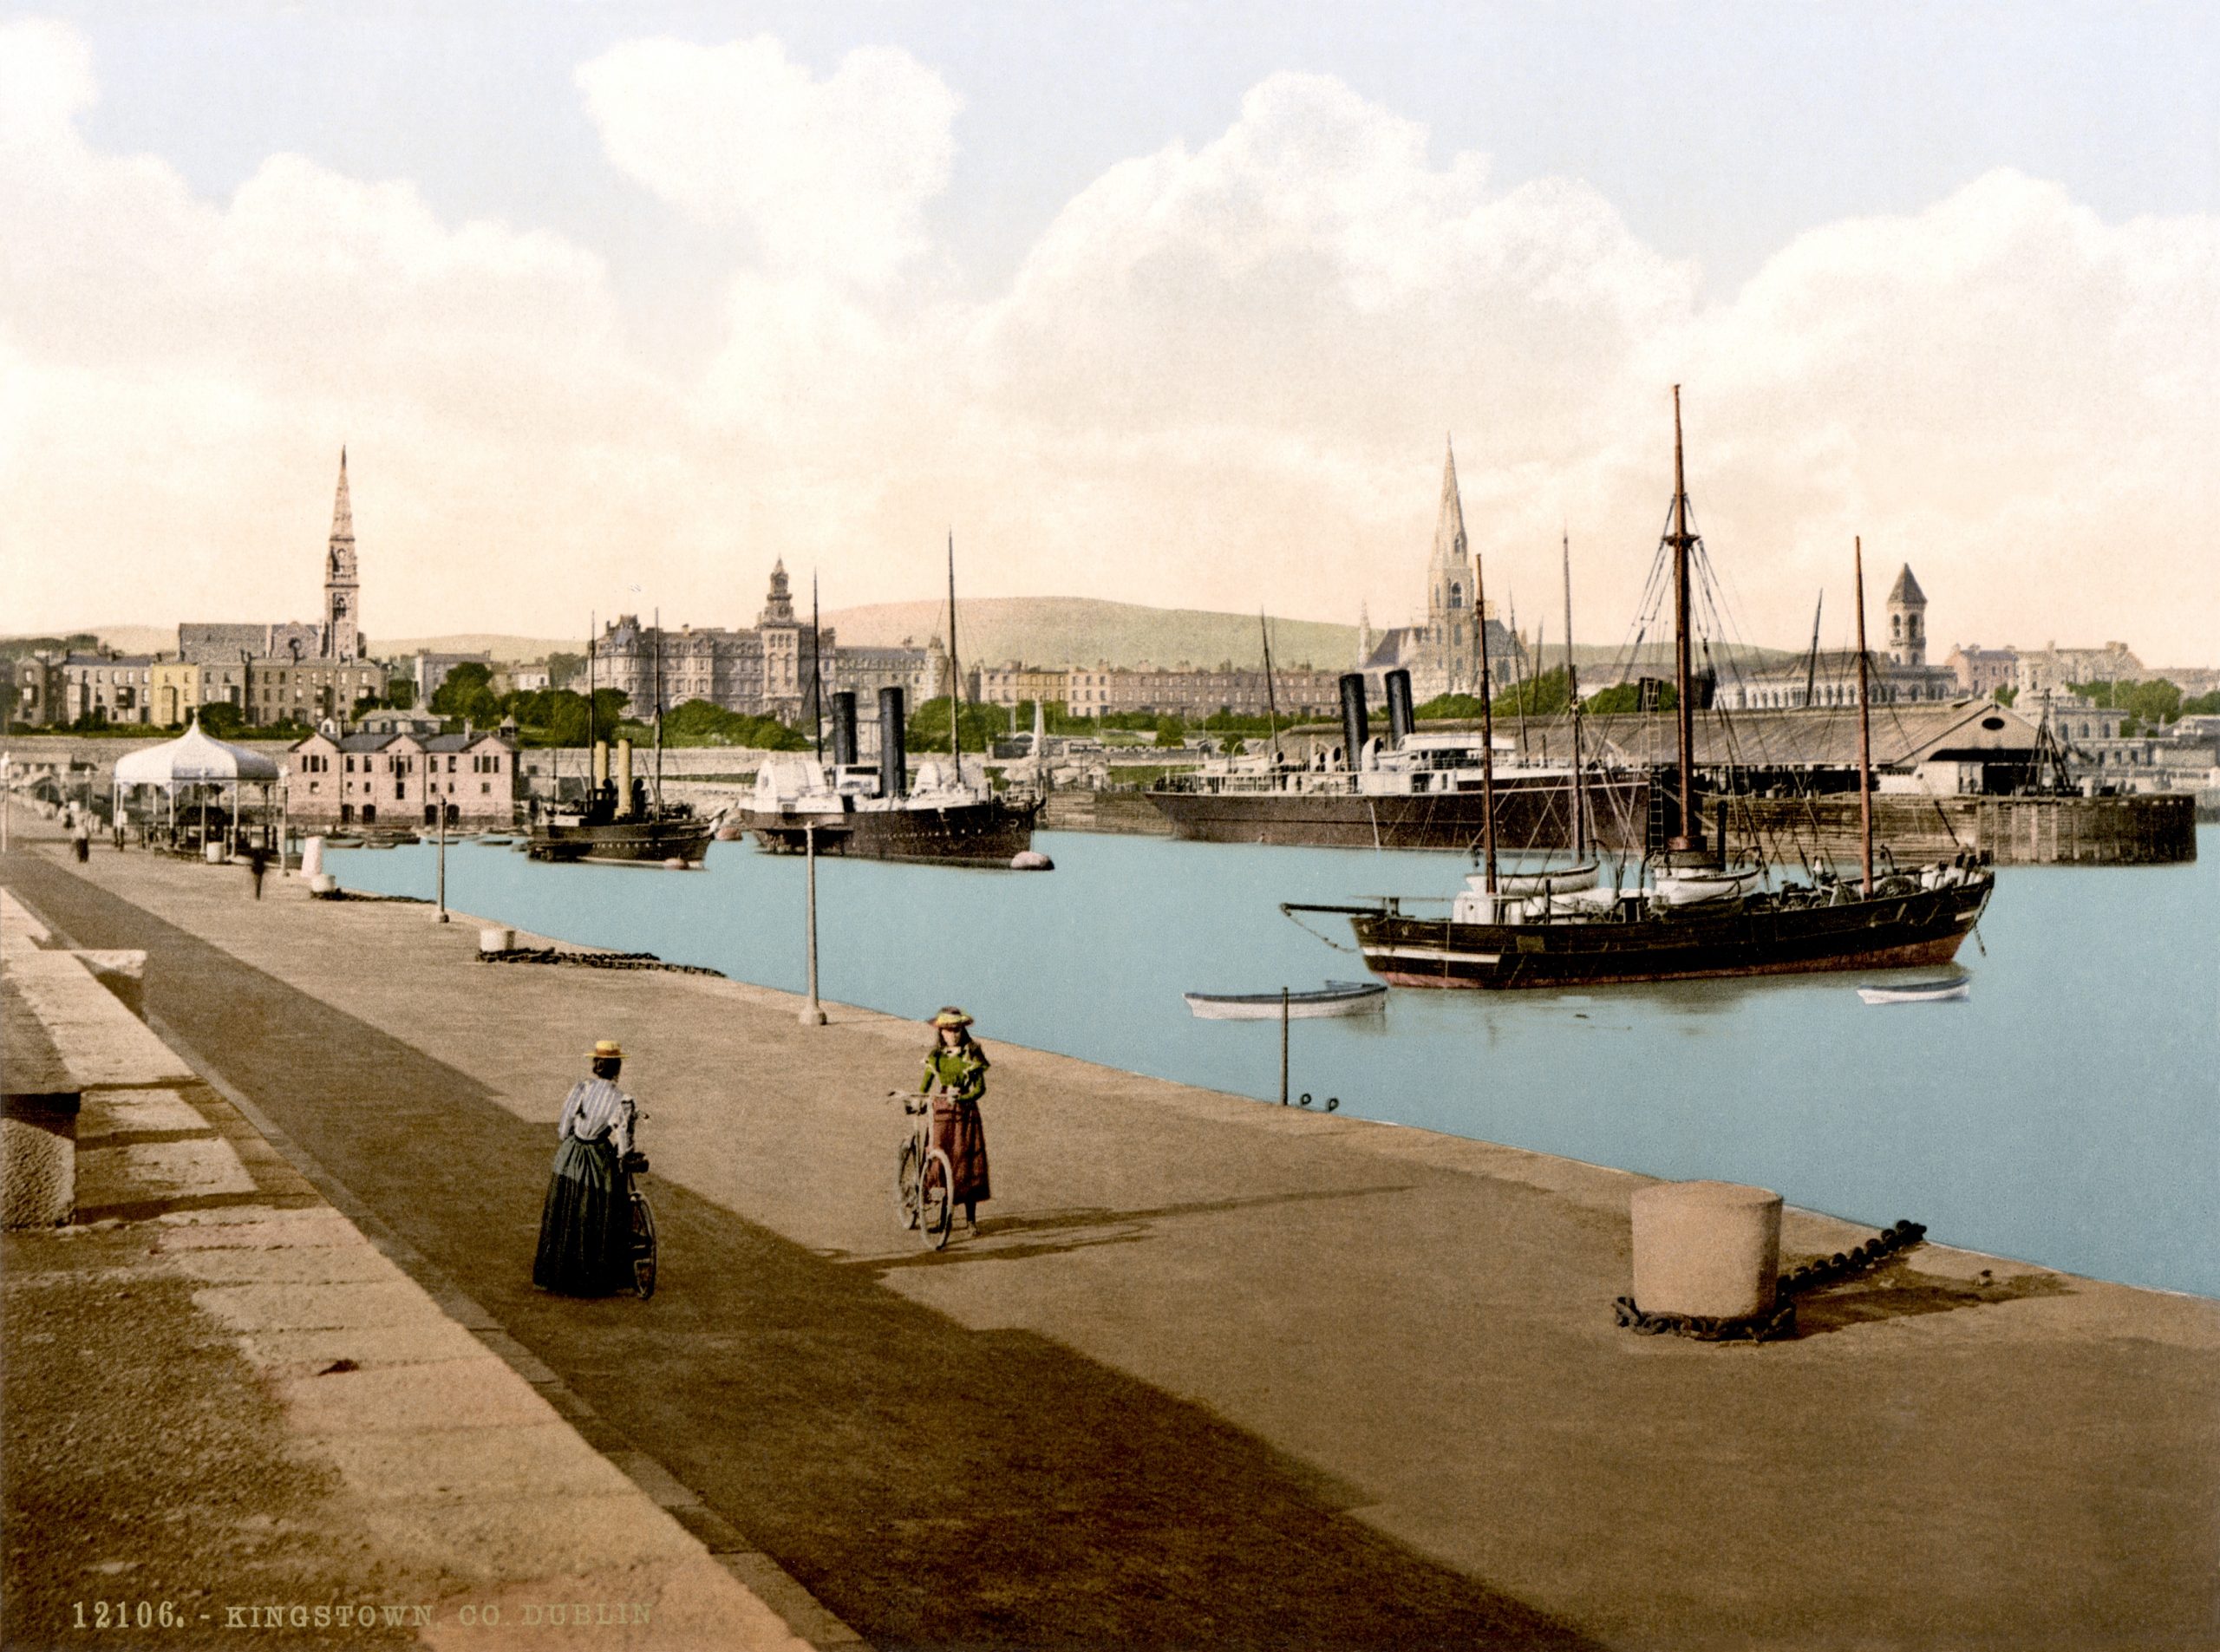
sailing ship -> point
(621, 818)
(841, 806)
(1696, 915)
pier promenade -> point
(1214, 1372)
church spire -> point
(342, 640)
(1449, 527)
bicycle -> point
(643, 1224)
(924, 1180)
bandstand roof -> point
(192, 758)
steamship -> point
(620, 820)
(1409, 790)
(1690, 913)
(949, 816)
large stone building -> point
(2049, 670)
(1442, 654)
(1901, 675)
(403, 779)
(765, 671)
(1187, 693)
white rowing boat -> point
(1917, 992)
(1334, 998)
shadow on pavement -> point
(934, 1486)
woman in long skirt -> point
(959, 1067)
(585, 1226)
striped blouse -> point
(596, 1109)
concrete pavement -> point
(1215, 1374)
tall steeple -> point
(1449, 582)
(779, 602)
(341, 620)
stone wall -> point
(2014, 830)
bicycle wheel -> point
(905, 1186)
(937, 1198)
(644, 1246)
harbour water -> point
(2066, 1113)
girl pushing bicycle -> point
(958, 1066)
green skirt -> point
(586, 1226)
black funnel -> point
(1401, 719)
(1354, 727)
(844, 727)
(894, 759)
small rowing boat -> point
(1917, 992)
(1334, 998)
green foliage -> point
(401, 693)
(465, 692)
(927, 729)
(1541, 696)
(699, 723)
(2149, 704)
(2006, 696)
(1627, 697)
(562, 668)
(1446, 708)
(556, 716)
(223, 719)
(1171, 731)
(2202, 705)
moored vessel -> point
(1693, 915)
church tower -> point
(1449, 617)
(1907, 620)
(341, 637)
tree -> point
(927, 729)
(223, 719)
(460, 687)
(2202, 705)
(1627, 697)
(401, 693)
(562, 668)
(2007, 695)
(1171, 731)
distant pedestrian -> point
(80, 837)
(257, 862)
(585, 1224)
(958, 1065)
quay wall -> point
(2153, 829)
(1103, 811)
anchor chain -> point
(1779, 1321)
(593, 960)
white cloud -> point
(1222, 374)
(832, 176)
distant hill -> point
(1065, 631)
(500, 646)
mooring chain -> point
(1779, 1321)
(592, 960)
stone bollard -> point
(323, 884)
(497, 940)
(312, 856)
(1708, 1250)
(38, 1159)
(214, 852)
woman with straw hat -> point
(586, 1226)
(958, 1064)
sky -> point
(612, 305)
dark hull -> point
(1884, 932)
(1529, 814)
(639, 842)
(969, 835)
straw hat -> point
(949, 1016)
(607, 1050)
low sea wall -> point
(2147, 830)
(1105, 810)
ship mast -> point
(954, 671)
(1487, 732)
(1271, 699)
(1689, 838)
(593, 622)
(1572, 709)
(816, 670)
(658, 715)
(1864, 723)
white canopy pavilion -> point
(196, 759)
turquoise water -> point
(2068, 1113)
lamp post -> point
(285, 813)
(7, 796)
(442, 806)
(813, 1012)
